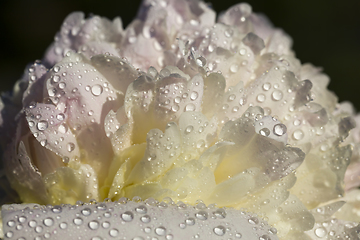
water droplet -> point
(202, 215)
(161, 231)
(261, 98)
(145, 219)
(320, 232)
(141, 209)
(60, 117)
(190, 107)
(43, 142)
(62, 85)
(194, 96)
(70, 147)
(105, 225)
(9, 234)
(22, 219)
(272, 231)
(63, 225)
(78, 221)
(264, 132)
(298, 134)
(189, 129)
(96, 90)
(177, 99)
(238, 235)
(114, 232)
(231, 97)
(42, 125)
(201, 61)
(279, 129)
(277, 95)
(253, 220)
(234, 68)
(32, 223)
(48, 222)
(220, 213)
(190, 221)
(127, 216)
(219, 230)
(175, 108)
(56, 78)
(93, 225)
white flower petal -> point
(133, 220)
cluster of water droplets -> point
(136, 219)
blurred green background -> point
(325, 33)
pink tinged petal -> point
(279, 43)
(23, 175)
(50, 128)
(35, 76)
(85, 96)
(63, 39)
(238, 16)
(162, 150)
(117, 71)
(167, 220)
(91, 49)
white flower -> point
(178, 105)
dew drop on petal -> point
(279, 129)
(127, 216)
(114, 232)
(298, 134)
(194, 96)
(93, 225)
(96, 90)
(219, 230)
(264, 132)
(70, 147)
(190, 107)
(48, 222)
(42, 125)
(320, 232)
(161, 231)
(277, 95)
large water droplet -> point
(48, 222)
(194, 96)
(161, 231)
(202, 215)
(141, 209)
(127, 216)
(190, 107)
(42, 125)
(78, 221)
(96, 90)
(70, 147)
(94, 225)
(277, 95)
(114, 232)
(264, 132)
(298, 134)
(219, 230)
(320, 232)
(279, 129)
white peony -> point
(180, 106)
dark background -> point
(325, 33)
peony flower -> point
(217, 119)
